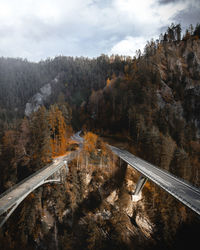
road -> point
(78, 138)
(180, 189)
(11, 198)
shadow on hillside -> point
(95, 198)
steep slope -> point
(156, 105)
(149, 104)
(91, 209)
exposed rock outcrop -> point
(179, 68)
(40, 98)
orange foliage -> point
(108, 82)
(58, 131)
(149, 186)
(90, 141)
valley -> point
(147, 105)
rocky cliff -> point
(150, 104)
(179, 67)
(41, 98)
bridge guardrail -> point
(24, 180)
(71, 155)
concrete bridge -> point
(180, 189)
(11, 198)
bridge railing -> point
(72, 155)
(24, 180)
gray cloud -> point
(169, 1)
(39, 29)
(190, 15)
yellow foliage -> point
(58, 131)
(90, 141)
(108, 82)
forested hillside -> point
(156, 105)
(150, 104)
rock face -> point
(179, 68)
(41, 97)
(38, 99)
(192, 106)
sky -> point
(39, 29)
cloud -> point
(128, 46)
(168, 1)
(189, 15)
(38, 29)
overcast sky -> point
(37, 29)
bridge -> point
(10, 199)
(179, 188)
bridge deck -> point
(180, 189)
(10, 197)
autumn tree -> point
(57, 127)
(90, 141)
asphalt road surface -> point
(180, 189)
(13, 195)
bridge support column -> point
(140, 184)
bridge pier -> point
(140, 184)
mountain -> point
(149, 104)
